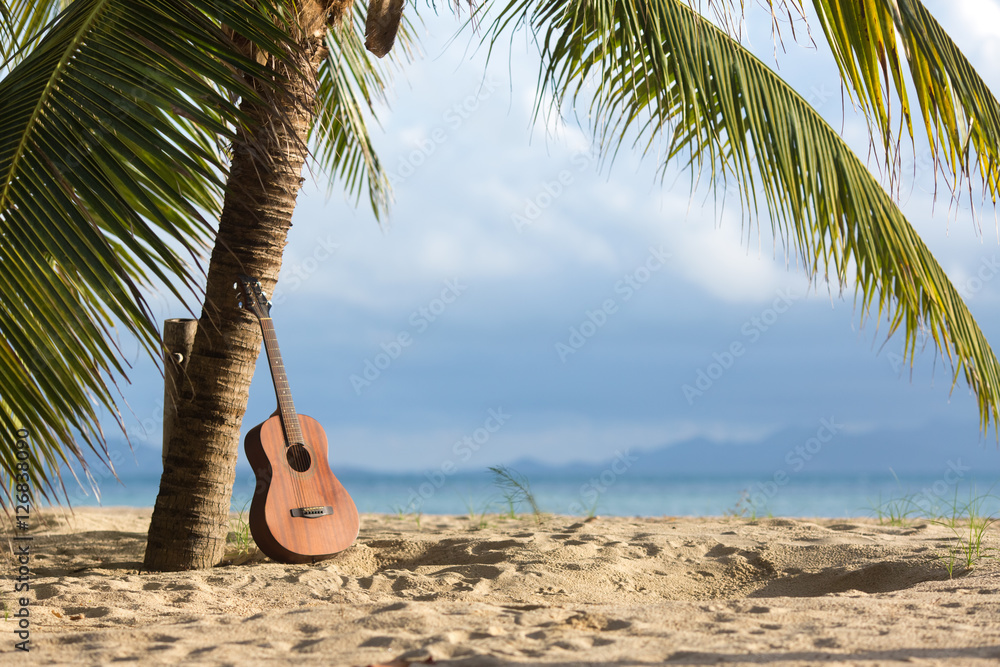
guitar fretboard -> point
(289, 418)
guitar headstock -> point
(253, 297)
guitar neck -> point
(289, 418)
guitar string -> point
(296, 453)
(299, 454)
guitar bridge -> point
(311, 512)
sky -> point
(530, 297)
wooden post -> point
(178, 339)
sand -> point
(566, 591)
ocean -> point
(582, 494)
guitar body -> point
(300, 512)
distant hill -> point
(926, 451)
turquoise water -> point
(634, 495)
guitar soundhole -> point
(298, 458)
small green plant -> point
(592, 512)
(515, 489)
(969, 524)
(402, 512)
(895, 510)
(240, 539)
(477, 515)
(737, 509)
(970, 545)
(511, 512)
(898, 510)
(949, 562)
(746, 507)
(956, 516)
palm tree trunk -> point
(191, 516)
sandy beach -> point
(563, 591)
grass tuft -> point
(747, 508)
(477, 514)
(515, 489)
(968, 522)
(239, 541)
(402, 512)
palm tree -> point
(101, 163)
(148, 138)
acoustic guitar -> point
(300, 512)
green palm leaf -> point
(22, 22)
(350, 83)
(110, 171)
(663, 70)
(960, 114)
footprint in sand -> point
(720, 550)
(551, 590)
(585, 620)
(378, 642)
(575, 643)
(377, 583)
(87, 612)
(844, 526)
(321, 582)
(46, 591)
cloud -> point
(977, 31)
(716, 260)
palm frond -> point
(960, 114)
(663, 70)
(350, 84)
(21, 23)
(110, 173)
